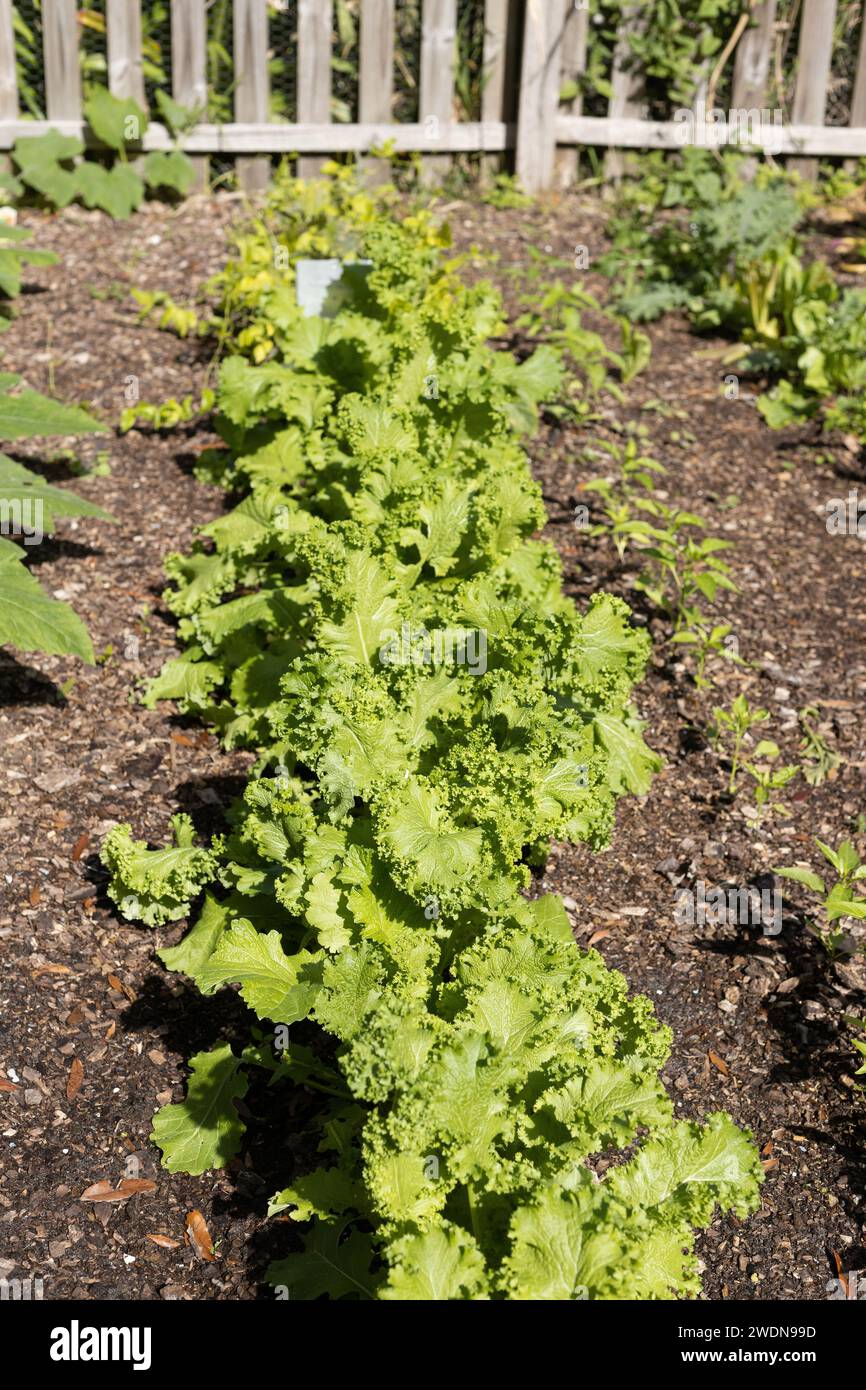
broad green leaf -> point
(324, 914)
(324, 1193)
(804, 876)
(155, 886)
(178, 118)
(604, 1106)
(187, 679)
(169, 169)
(204, 1131)
(116, 121)
(30, 621)
(329, 1264)
(352, 990)
(38, 498)
(31, 150)
(693, 1168)
(195, 950)
(562, 1250)
(372, 615)
(443, 523)
(117, 191)
(41, 159)
(29, 414)
(417, 831)
(441, 1264)
(551, 917)
(631, 763)
(276, 986)
(606, 641)
(839, 901)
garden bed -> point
(755, 1018)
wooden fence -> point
(531, 47)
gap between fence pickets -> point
(456, 137)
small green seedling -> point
(820, 760)
(837, 902)
(734, 726)
(767, 778)
(626, 494)
(172, 317)
(168, 414)
(682, 567)
(706, 641)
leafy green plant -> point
(470, 1058)
(171, 316)
(735, 725)
(734, 728)
(626, 494)
(672, 44)
(837, 902)
(767, 778)
(707, 639)
(44, 164)
(820, 758)
(168, 878)
(172, 170)
(51, 165)
(29, 620)
(826, 366)
(555, 316)
(27, 414)
(717, 255)
(505, 192)
(167, 415)
(682, 567)
(729, 252)
(14, 256)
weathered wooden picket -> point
(530, 48)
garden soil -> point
(94, 1035)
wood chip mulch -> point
(94, 1034)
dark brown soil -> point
(757, 1020)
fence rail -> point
(530, 48)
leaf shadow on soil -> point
(854, 472)
(206, 799)
(276, 1147)
(21, 684)
(52, 548)
(57, 468)
(814, 1048)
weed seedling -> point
(820, 761)
(839, 901)
(734, 727)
